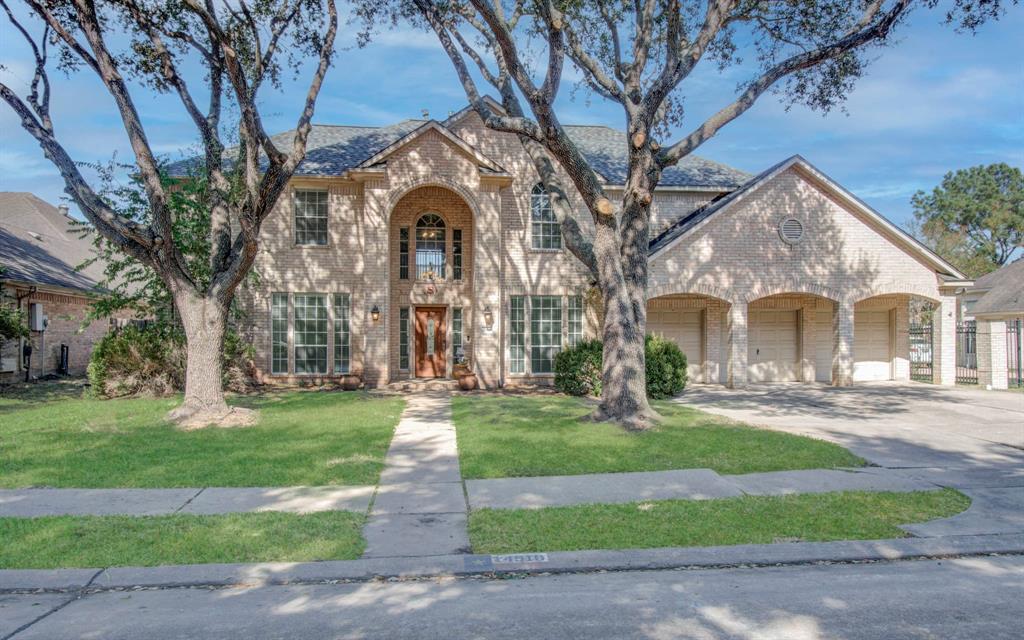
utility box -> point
(36, 320)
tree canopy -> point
(974, 218)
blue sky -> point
(934, 102)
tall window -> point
(544, 228)
(342, 339)
(310, 333)
(403, 253)
(279, 333)
(517, 334)
(403, 338)
(574, 317)
(311, 217)
(545, 332)
(457, 352)
(430, 240)
(457, 254)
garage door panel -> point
(685, 329)
(772, 346)
(872, 352)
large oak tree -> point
(237, 46)
(638, 54)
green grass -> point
(505, 436)
(687, 523)
(53, 436)
(105, 541)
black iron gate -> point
(967, 352)
(1014, 353)
(921, 352)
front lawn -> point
(108, 541)
(506, 436)
(52, 436)
(688, 523)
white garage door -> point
(871, 351)
(772, 346)
(684, 328)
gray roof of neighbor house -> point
(334, 149)
(1005, 290)
(41, 245)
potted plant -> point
(462, 372)
(351, 381)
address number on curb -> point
(519, 558)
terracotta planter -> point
(460, 370)
(467, 382)
(351, 383)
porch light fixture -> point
(488, 317)
(375, 313)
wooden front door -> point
(430, 342)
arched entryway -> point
(790, 338)
(431, 282)
(696, 323)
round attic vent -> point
(791, 230)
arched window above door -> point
(430, 247)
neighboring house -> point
(400, 248)
(40, 246)
(996, 303)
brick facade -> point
(730, 264)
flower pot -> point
(351, 382)
(467, 382)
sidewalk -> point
(420, 506)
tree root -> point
(633, 421)
(189, 417)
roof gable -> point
(692, 221)
(444, 132)
(1005, 291)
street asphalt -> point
(949, 599)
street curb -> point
(219, 575)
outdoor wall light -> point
(375, 313)
(488, 317)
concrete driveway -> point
(957, 431)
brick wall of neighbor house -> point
(66, 314)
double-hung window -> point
(310, 217)
(310, 333)
(545, 231)
(342, 338)
(279, 333)
(537, 331)
(545, 332)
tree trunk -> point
(204, 321)
(623, 375)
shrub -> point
(578, 368)
(666, 367)
(151, 361)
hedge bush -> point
(666, 368)
(151, 361)
(578, 368)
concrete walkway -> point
(689, 484)
(420, 507)
(33, 503)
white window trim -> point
(528, 333)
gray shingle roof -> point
(334, 149)
(606, 150)
(40, 245)
(1005, 290)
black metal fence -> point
(967, 352)
(1013, 353)
(921, 353)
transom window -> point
(310, 217)
(430, 246)
(544, 228)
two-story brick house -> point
(399, 249)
